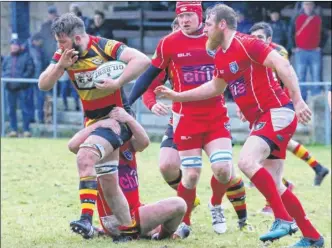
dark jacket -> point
(49, 44)
(279, 32)
(17, 66)
(105, 30)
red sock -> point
(218, 191)
(189, 196)
(265, 184)
(295, 209)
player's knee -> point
(191, 178)
(222, 171)
(245, 163)
(85, 158)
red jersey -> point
(189, 66)
(250, 83)
(96, 103)
(307, 31)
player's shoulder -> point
(104, 43)
(280, 49)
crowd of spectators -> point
(303, 35)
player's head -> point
(69, 31)
(219, 20)
(175, 25)
(262, 31)
(189, 15)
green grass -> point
(39, 198)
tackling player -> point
(159, 219)
(244, 63)
(80, 54)
(194, 128)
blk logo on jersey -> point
(259, 126)
(128, 155)
(197, 74)
(233, 66)
(128, 178)
(84, 80)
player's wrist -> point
(60, 67)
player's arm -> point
(136, 61)
(159, 62)
(208, 90)
(140, 139)
(55, 70)
(82, 135)
(285, 72)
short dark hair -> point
(264, 26)
(68, 24)
(98, 12)
(223, 12)
(37, 36)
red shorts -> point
(194, 133)
(104, 212)
(276, 127)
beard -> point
(77, 48)
(214, 41)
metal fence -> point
(139, 106)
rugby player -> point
(159, 219)
(80, 54)
(263, 31)
(244, 63)
(196, 129)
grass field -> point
(39, 198)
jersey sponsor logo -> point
(84, 80)
(181, 55)
(197, 74)
(259, 126)
(233, 66)
(185, 138)
(237, 88)
(128, 154)
(183, 9)
(128, 179)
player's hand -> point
(164, 92)
(302, 111)
(240, 115)
(160, 109)
(111, 124)
(120, 115)
(68, 58)
(107, 84)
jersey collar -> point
(230, 43)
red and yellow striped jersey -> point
(96, 103)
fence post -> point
(138, 110)
(327, 118)
(3, 109)
(55, 114)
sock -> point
(218, 191)
(301, 152)
(265, 184)
(285, 182)
(175, 183)
(295, 209)
(88, 196)
(236, 194)
(188, 196)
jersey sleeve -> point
(257, 50)
(112, 48)
(149, 97)
(161, 56)
(56, 56)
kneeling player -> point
(161, 218)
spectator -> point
(18, 65)
(279, 28)
(36, 52)
(306, 32)
(99, 27)
(243, 24)
(66, 88)
(49, 44)
(74, 8)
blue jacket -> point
(17, 66)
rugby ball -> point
(111, 69)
